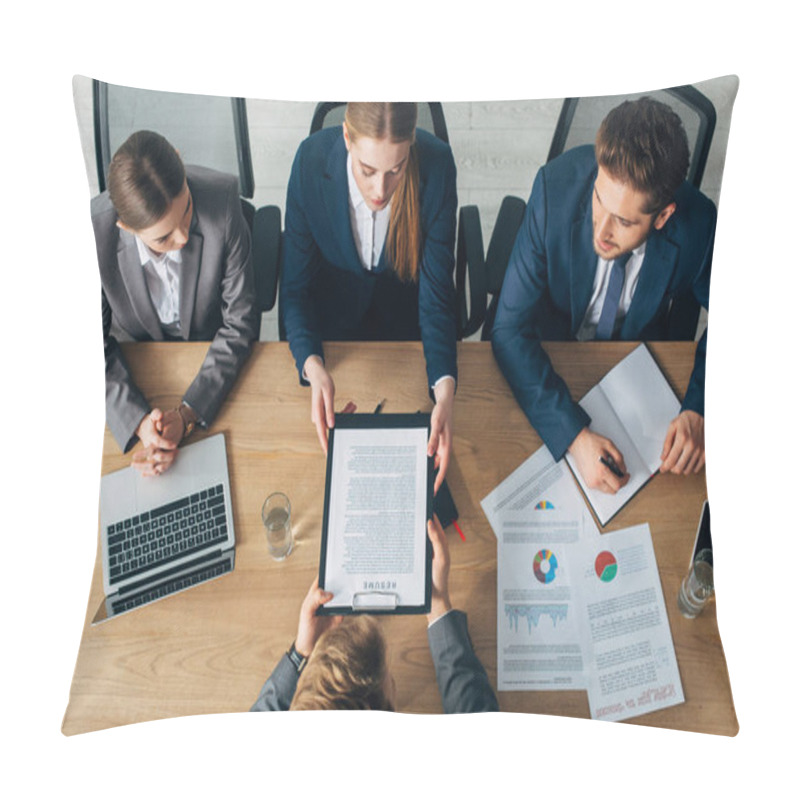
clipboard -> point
(376, 595)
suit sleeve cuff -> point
(278, 691)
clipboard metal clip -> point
(375, 601)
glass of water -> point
(698, 586)
(276, 514)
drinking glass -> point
(698, 585)
(276, 514)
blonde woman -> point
(368, 253)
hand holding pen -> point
(599, 461)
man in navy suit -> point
(611, 235)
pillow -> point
(209, 649)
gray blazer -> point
(463, 683)
(217, 300)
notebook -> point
(633, 406)
(162, 535)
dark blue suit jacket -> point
(325, 292)
(549, 280)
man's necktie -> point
(608, 315)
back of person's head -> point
(396, 122)
(346, 670)
(146, 174)
(642, 143)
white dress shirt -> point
(632, 269)
(162, 274)
(369, 227)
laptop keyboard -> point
(172, 586)
(167, 533)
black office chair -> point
(504, 235)
(207, 130)
(470, 279)
(577, 124)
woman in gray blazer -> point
(175, 264)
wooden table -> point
(209, 649)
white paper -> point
(576, 609)
(632, 665)
(538, 517)
(539, 484)
(377, 534)
(643, 400)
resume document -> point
(375, 536)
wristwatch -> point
(298, 661)
(188, 422)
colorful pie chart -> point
(545, 565)
(605, 565)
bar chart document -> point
(375, 554)
(539, 519)
(577, 609)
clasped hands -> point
(160, 433)
(683, 453)
(440, 443)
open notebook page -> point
(633, 406)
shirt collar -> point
(356, 198)
(636, 253)
(146, 254)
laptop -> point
(162, 535)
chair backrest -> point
(430, 118)
(206, 130)
(581, 117)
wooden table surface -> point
(208, 650)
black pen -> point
(379, 407)
(611, 464)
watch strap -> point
(298, 661)
(188, 422)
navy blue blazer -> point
(326, 294)
(548, 285)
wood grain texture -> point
(208, 650)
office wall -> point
(498, 147)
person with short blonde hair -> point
(341, 663)
(347, 669)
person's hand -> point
(440, 443)
(440, 571)
(684, 449)
(322, 393)
(171, 426)
(159, 449)
(311, 627)
(152, 461)
(150, 431)
(587, 449)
